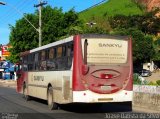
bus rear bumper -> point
(91, 97)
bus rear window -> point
(105, 51)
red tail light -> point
(113, 85)
(106, 76)
(85, 69)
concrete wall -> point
(147, 97)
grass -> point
(111, 8)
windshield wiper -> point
(85, 51)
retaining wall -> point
(147, 97)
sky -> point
(14, 10)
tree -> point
(157, 49)
(56, 24)
(143, 49)
(147, 23)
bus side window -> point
(28, 63)
(64, 50)
(43, 55)
(25, 61)
(69, 55)
(59, 61)
(43, 60)
(51, 53)
(59, 52)
(47, 54)
(36, 61)
(51, 64)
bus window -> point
(30, 62)
(69, 55)
(61, 59)
(64, 50)
(47, 54)
(59, 52)
(51, 53)
(43, 55)
(36, 59)
(43, 60)
(25, 61)
(51, 62)
(102, 51)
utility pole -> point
(40, 5)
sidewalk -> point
(154, 77)
(8, 83)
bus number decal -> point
(38, 78)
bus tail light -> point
(85, 69)
(106, 76)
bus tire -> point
(51, 105)
(26, 97)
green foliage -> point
(139, 5)
(112, 8)
(137, 79)
(152, 83)
(148, 23)
(157, 49)
(56, 25)
(143, 48)
(158, 82)
(139, 27)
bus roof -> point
(48, 45)
(52, 44)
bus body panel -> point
(22, 78)
(38, 84)
(91, 97)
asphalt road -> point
(13, 106)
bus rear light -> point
(106, 76)
(115, 90)
(85, 69)
(113, 85)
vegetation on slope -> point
(112, 8)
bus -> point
(79, 69)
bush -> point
(139, 80)
(136, 79)
(158, 82)
(152, 83)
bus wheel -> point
(51, 105)
(26, 97)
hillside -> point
(150, 4)
(111, 8)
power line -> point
(8, 15)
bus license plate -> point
(106, 87)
